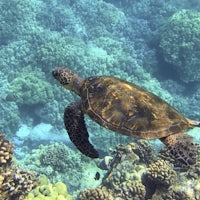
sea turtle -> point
(125, 108)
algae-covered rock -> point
(57, 191)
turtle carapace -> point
(125, 108)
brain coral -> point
(161, 172)
(133, 189)
(49, 192)
(180, 44)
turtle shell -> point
(128, 109)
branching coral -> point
(101, 17)
(55, 156)
(171, 194)
(58, 50)
(144, 150)
(123, 179)
(191, 171)
(15, 183)
(18, 18)
(10, 118)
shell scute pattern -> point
(128, 109)
(125, 108)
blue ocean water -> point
(154, 44)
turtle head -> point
(68, 79)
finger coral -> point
(14, 182)
(161, 172)
(6, 151)
(93, 194)
(132, 189)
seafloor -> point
(152, 43)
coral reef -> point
(131, 177)
(20, 21)
(15, 182)
(31, 88)
(59, 162)
(59, 50)
(106, 17)
(180, 44)
(93, 38)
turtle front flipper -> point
(182, 147)
(75, 126)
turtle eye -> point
(55, 74)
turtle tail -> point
(182, 147)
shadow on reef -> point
(135, 172)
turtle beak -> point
(56, 72)
(63, 75)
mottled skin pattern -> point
(124, 108)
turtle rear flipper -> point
(194, 123)
(75, 126)
(182, 147)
